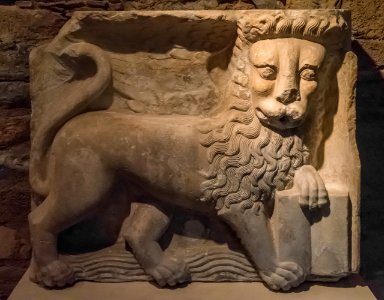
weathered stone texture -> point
(351, 288)
(14, 94)
(374, 53)
(14, 235)
(186, 166)
(14, 127)
(367, 18)
(62, 6)
(297, 4)
(367, 24)
(10, 272)
(65, 7)
(22, 29)
(197, 4)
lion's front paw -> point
(313, 193)
(56, 274)
(285, 276)
(172, 270)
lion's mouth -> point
(280, 121)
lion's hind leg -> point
(46, 268)
(78, 184)
(146, 225)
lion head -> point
(283, 77)
(254, 144)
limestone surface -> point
(348, 289)
(195, 145)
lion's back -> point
(162, 153)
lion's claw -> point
(313, 194)
(171, 271)
(285, 276)
(56, 274)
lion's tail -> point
(56, 106)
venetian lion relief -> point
(195, 146)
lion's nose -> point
(288, 96)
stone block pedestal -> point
(351, 288)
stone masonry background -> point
(26, 24)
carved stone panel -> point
(195, 146)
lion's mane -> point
(249, 161)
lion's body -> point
(232, 163)
(160, 155)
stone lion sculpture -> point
(230, 163)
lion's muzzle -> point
(279, 115)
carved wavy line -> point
(109, 265)
(224, 266)
(216, 270)
(275, 145)
(122, 254)
(218, 136)
(113, 272)
(322, 27)
(192, 258)
(284, 164)
(234, 161)
(228, 149)
(126, 260)
(248, 203)
(284, 26)
(244, 118)
(272, 163)
(257, 173)
(240, 106)
(106, 260)
(256, 193)
(250, 131)
(264, 139)
(110, 278)
(234, 198)
(265, 190)
(269, 178)
(312, 26)
(236, 150)
(286, 147)
(223, 136)
(232, 185)
(298, 25)
(209, 262)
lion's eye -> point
(308, 74)
(267, 72)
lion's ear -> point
(217, 66)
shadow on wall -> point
(370, 141)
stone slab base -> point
(352, 288)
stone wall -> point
(20, 31)
(26, 24)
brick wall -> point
(26, 24)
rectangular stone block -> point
(352, 289)
(292, 230)
(178, 112)
(327, 254)
(330, 238)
